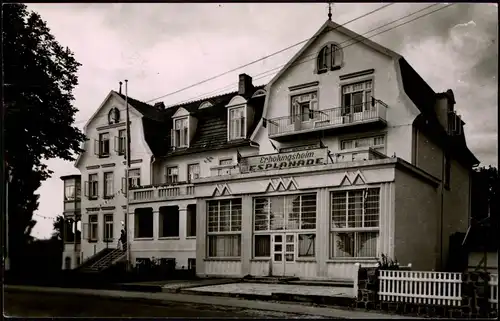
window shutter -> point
(112, 185)
(124, 183)
(116, 145)
(85, 231)
(86, 188)
(172, 137)
(97, 188)
(96, 147)
(314, 108)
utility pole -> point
(127, 157)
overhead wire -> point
(360, 36)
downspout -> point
(442, 210)
(151, 169)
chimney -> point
(120, 90)
(445, 106)
(159, 105)
(245, 86)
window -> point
(93, 227)
(191, 220)
(305, 107)
(193, 171)
(92, 187)
(357, 97)
(108, 227)
(69, 190)
(134, 177)
(262, 245)
(354, 223)
(224, 228)
(180, 137)
(376, 142)
(172, 174)
(69, 230)
(226, 170)
(104, 145)
(108, 185)
(121, 143)
(329, 58)
(114, 116)
(237, 123)
(169, 221)
(306, 245)
(290, 212)
(143, 222)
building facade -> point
(71, 231)
(345, 155)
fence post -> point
(356, 280)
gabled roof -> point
(327, 27)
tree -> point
(58, 225)
(485, 186)
(39, 78)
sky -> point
(163, 47)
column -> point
(156, 223)
(201, 232)
(246, 233)
(322, 232)
(182, 222)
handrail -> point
(110, 254)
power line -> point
(265, 57)
(358, 36)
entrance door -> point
(283, 256)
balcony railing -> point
(162, 192)
(328, 118)
(359, 154)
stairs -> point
(103, 260)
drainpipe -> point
(442, 210)
(153, 159)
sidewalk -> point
(162, 298)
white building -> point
(345, 155)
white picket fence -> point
(436, 288)
(493, 291)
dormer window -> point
(329, 58)
(114, 116)
(237, 123)
(180, 137)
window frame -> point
(122, 141)
(189, 173)
(70, 185)
(107, 233)
(108, 191)
(93, 221)
(313, 106)
(242, 123)
(102, 144)
(332, 56)
(230, 233)
(168, 175)
(181, 136)
(356, 230)
(93, 186)
(366, 104)
(134, 180)
(354, 141)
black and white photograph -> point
(284, 160)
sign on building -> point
(296, 159)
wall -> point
(416, 222)
(428, 155)
(141, 156)
(357, 57)
(181, 248)
(456, 204)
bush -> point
(387, 264)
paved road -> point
(31, 304)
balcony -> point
(161, 192)
(359, 154)
(365, 116)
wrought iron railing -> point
(328, 118)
